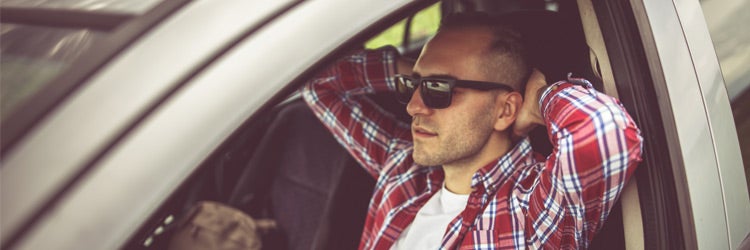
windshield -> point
(40, 39)
(32, 56)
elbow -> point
(634, 142)
(625, 131)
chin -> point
(425, 157)
(418, 159)
(422, 160)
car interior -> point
(284, 165)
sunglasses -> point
(437, 91)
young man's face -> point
(460, 131)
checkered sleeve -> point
(336, 96)
(596, 147)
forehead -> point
(455, 52)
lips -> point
(421, 132)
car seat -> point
(299, 175)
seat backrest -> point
(299, 175)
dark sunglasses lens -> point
(404, 89)
(437, 94)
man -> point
(463, 175)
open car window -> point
(259, 168)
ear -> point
(508, 105)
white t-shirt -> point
(428, 227)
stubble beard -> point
(461, 143)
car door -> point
(691, 190)
(97, 164)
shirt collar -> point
(494, 174)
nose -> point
(416, 106)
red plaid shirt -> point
(521, 200)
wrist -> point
(537, 112)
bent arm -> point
(596, 147)
(336, 97)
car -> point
(117, 116)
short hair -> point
(506, 60)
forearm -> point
(364, 72)
(335, 98)
(596, 148)
(577, 110)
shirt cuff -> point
(545, 99)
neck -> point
(458, 173)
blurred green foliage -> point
(424, 25)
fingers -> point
(536, 81)
(522, 127)
(530, 116)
